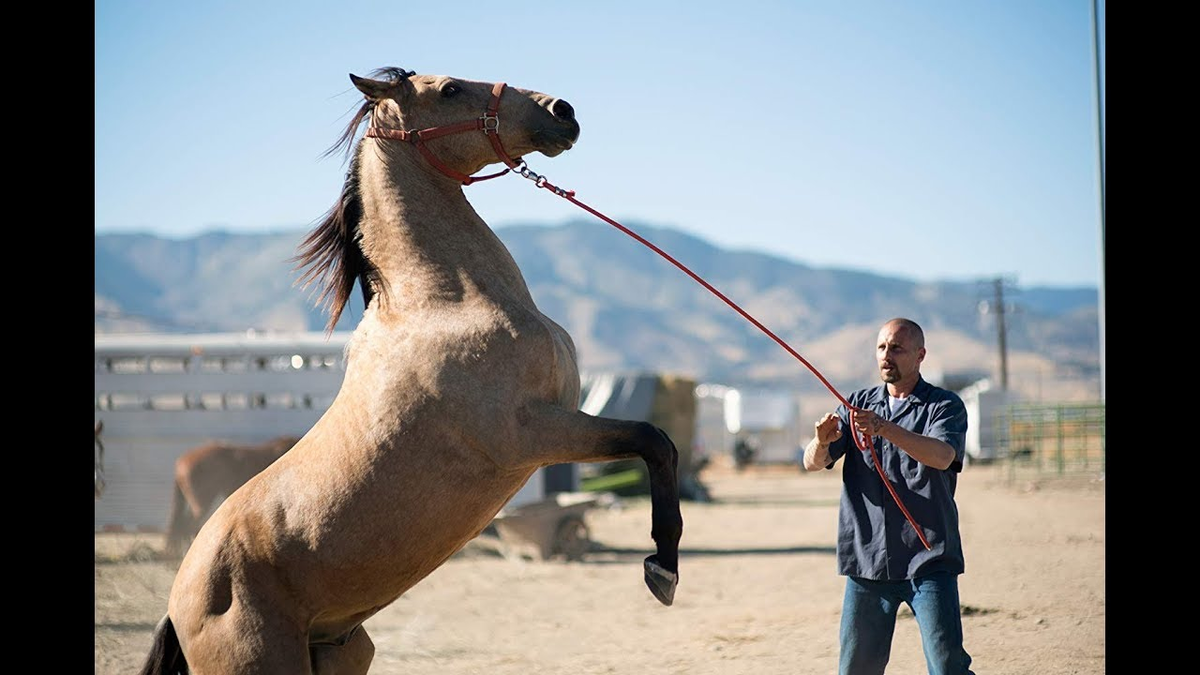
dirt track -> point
(758, 591)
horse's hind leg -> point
(556, 436)
(352, 658)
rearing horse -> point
(457, 389)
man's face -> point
(898, 355)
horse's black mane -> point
(331, 251)
(332, 254)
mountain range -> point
(628, 309)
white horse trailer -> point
(713, 437)
(160, 395)
(987, 431)
(768, 421)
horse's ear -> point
(375, 90)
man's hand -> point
(828, 429)
(867, 422)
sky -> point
(926, 139)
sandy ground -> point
(758, 591)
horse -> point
(457, 389)
(209, 473)
(99, 454)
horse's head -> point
(524, 121)
(99, 459)
(452, 125)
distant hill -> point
(629, 309)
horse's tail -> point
(165, 657)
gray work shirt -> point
(875, 540)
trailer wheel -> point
(571, 538)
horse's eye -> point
(450, 90)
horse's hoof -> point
(661, 581)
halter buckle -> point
(494, 127)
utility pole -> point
(998, 303)
(997, 306)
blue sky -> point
(928, 139)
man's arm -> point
(925, 449)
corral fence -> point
(1047, 440)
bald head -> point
(909, 329)
(899, 350)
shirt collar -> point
(879, 396)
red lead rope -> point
(863, 442)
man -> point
(914, 431)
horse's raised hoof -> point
(660, 580)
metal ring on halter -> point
(494, 128)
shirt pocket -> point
(913, 471)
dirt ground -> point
(758, 592)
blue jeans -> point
(869, 620)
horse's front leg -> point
(554, 435)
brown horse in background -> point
(457, 389)
(206, 475)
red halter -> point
(489, 124)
